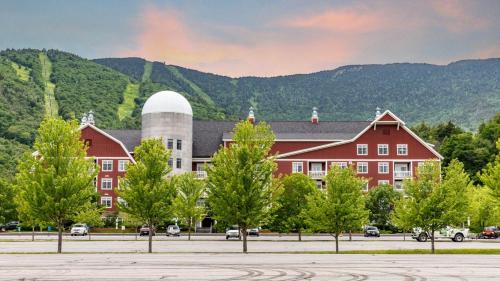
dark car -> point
(372, 231)
(144, 231)
(253, 232)
(12, 225)
(490, 232)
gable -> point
(102, 144)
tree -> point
(187, 205)
(340, 207)
(240, 182)
(432, 204)
(146, 190)
(400, 217)
(90, 215)
(490, 175)
(291, 203)
(54, 184)
(483, 208)
(8, 206)
(380, 202)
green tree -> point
(380, 202)
(291, 203)
(483, 208)
(340, 207)
(146, 189)
(90, 215)
(8, 206)
(432, 204)
(187, 204)
(240, 182)
(54, 185)
(490, 175)
(401, 216)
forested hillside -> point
(34, 83)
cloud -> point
(459, 16)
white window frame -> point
(295, 167)
(401, 146)
(382, 164)
(382, 182)
(122, 165)
(110, 180)
(362, 146)
(358, 166)
(381, 146)
(107, 199)
(105, 163)
(342, 165)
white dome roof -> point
(167, 101)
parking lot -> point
(247, 267)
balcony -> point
(317, 174)
(200, 174)
(402, 174)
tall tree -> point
(240, 183)
(431, 203)
(8, 206)
(380, 202)
(146, 189)
(187, 204)
(291, 203)
(490, 175)
(340, 207)
(484, 210)
(55, 183)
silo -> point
(169, 115)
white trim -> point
(110, 158)
(107, 162)
(110, 200)
(108, 180)
(120, 161)
(361, 146)
(380, 182)
(202, 159)
(358, 159)
(301, 140)
(110, 137)
(380, 165)
(298, 164)
(300, 151)
(364, 164)
(402, 145)
(379, 146)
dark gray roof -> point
(208, 135)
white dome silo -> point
(169, 115)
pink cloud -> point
(458, 16)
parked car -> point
(173, 230)
(79, 229)
(233, 232)
(144, 231)
(12, 225)
(490, 232)
(254, 232)
(455, 234)
(372, 231)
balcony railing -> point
(200, 174)
(402, 174)
(317, 174)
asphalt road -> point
(247, 267)
(218, 244)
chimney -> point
(314, 116)
(377, 113)
(251, 116)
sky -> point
(259, 37)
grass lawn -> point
(126, 108)
(148, 68)
(22, 72)
(51, 107)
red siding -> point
(387, 117)
(289, 146)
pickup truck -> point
(455, 234)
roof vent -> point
(314, 116)
(377, 113)
(251, 116)
(88, 118)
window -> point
(107, 202)
(179, 144)
(383, 149)
(171, 162)
(382, 182)
(383, 167)
(170, 143)
(106, 184)
(365, 187)
(362, 167)
(88, 142)
(297, 167)
(362, 149)
(122, 165)
(402, 149)
(107, 165)
(178, 163)
(342, 165)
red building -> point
(382, 151)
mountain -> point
(34, 83)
